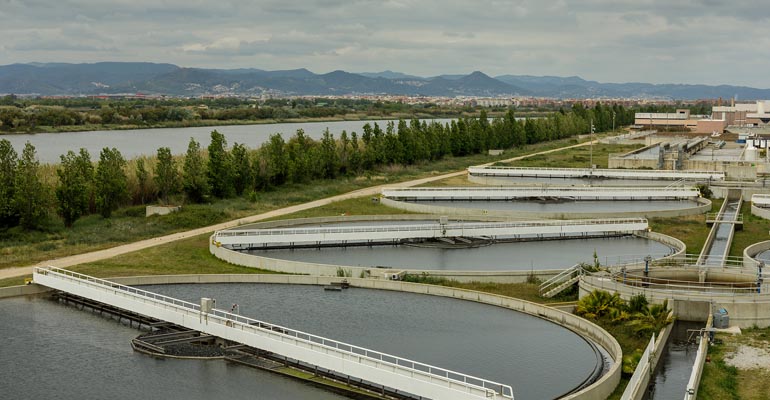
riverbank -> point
(196, 123)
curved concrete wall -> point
(760, 212)
(704, 205)
(751, 251)
(316, 269)
(600, 390)
(744, 310)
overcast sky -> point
(657, 41)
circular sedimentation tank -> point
(470, 255)
(559, 202)
(561, 208)
(487, 341)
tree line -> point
(82, 187)
(22, 115)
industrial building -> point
(755, 114)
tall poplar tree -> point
(111, 183)
(73, 190)
(166, 174)
(8, 164)
(31, 197)
(220, 169)
(194, 177)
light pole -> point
(613, 121)
(591, 147)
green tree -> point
(30, 198)
(220, 167)
(142, 179)
(166, 174)
(241, 168)
(598, 304)
(194, 177)
(73, 191)
(330, 161)
(8, 164)
(652, 318)
(111, 183)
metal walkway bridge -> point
(639, 174)
(393, 372)
(395, 233)
(538, 192)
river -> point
(141, 142)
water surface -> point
(548, 254)
(137, 142)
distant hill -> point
(55, 79)
(576, 87)
(169, 79)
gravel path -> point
(157, 241)
(748, 357)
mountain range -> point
(169, 79)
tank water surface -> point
(548, 254)
(490, 342)
(52, 351)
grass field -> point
(576, 158)
(722, 381)
(19, 247)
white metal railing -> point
(720, 218)
(688, 286)
(572, 192)
(613, 285)
(429, 227)
(599, 171)
(690, 261)
(560, 278)
(651, 190)
(346, 351)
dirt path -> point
(157, 241)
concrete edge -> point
(751, 251)
(704, 205)
(760, 212)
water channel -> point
(54, 351)
(719, 246)
(138, 142)
(676, 364)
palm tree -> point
(652, 319)
(598, 304)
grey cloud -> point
(618, 40)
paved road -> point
(143, 244)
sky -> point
(655, 41)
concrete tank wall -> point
(760, 212)
(704, 205)
(751, 251)
(745, 310)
